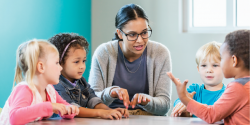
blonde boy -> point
(208, 65)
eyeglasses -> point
(134, 36)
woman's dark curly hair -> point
(238, 45)
(61, 40)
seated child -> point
(208, 65)
(72, 85)
(233, 105)
(34, 97)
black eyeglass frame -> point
(138, 34)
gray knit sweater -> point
(158, 63)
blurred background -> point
(181, 25)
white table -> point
(132, 120)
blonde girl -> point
(34, 97)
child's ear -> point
(40, 67)
(235, 61)
(198, 68)
(119, 33)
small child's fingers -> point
(64, 108)
(178, 79)
(56, 112)
(122, 111)
(182, 109)
(115, 116)
(61, 112)
(176, 114)
(74, 109)
(185, 82)
(176, 110)
(126, 114)
(78, 111)
(119, 115)
(175, 107)
(178, 106)
(69, 110)
(111, 117)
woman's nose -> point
(139, 39)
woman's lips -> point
(138, 48)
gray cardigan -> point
(158, 63)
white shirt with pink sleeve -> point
(24, 106)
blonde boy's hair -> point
(27, 57)
(209, 49)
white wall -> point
(164, 20)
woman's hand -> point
(122, 94)
(139, 99)
(124, 112)
(109, 114)
(181, 88)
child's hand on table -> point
(71, 109)
(109, 114)
(123, 111)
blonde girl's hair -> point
(209, 49)
(27, 56)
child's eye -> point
(216, 65)
(76, 61)
(203, 65)
(57, 63)
(84, 60)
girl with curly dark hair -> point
(72, 85)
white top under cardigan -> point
(158, 63)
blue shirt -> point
(134, 82)
(202, 95)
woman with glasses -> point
(130, 71)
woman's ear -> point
(235, 61)
(119, 33)
(40, 67)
